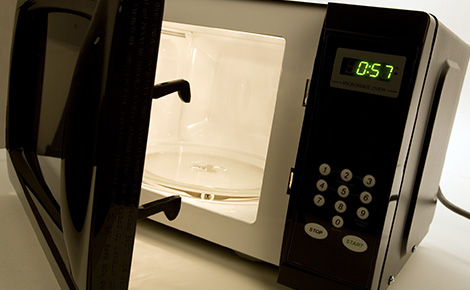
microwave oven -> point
(302, 135)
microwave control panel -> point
(348, 155)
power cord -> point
(451, 206)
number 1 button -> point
(325, 169)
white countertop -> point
(168, 259)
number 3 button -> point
(369, 181)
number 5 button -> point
(343, 191)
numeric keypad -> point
(354, 194)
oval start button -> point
(316, 231)
(355, 244)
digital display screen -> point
(368, 72)
(367, 69)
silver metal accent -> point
(173, 33)
(291, 179)
(306, 93)
(391, 279)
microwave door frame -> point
(123, 83)
(23, 112)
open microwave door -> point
(81, 85)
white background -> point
(441, 262)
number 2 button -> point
(346, 175)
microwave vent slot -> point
(173, 33)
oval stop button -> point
(355, 244)
(316, 231)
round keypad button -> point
(343, 191)
(365, 197)
(319, 200)
(362, 213)
(369, 181)
(337, 221)
(322, 185)
(324, 169)
(340, 206)
(346, 175)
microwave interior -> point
(212, 151)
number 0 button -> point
(337, 221)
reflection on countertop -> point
(165, 258)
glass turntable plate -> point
(204, 171)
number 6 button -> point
(365, 197)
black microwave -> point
(342, 202)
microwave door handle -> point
(445, 101)
(181, 86)
(169, 205)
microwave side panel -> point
(300, 26)
(415, 211)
